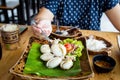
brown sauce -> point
(103, 64)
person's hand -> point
(45, 25)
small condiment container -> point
(103, 63)
(10, 36)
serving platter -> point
(86, 70)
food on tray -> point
(30, 66)
(46, 56)
(46, 63)
(94, 44)
(66, 63)
(58, 49)
(61, 53)
(69, 33)
(54, 62)
(64, 33)
(45, 48)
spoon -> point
(58, 28)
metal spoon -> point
(58, 28)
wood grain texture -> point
(9, 58)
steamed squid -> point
(58, 49)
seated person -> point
(85, 14)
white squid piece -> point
(63, 49)
(45, 48)
(66, 64)
(54, 62)
(58, 49)
(46, 56)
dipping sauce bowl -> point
(103, 63)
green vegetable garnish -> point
(78, 44)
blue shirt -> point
(85, 13)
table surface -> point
(9, 58)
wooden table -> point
(9, 58)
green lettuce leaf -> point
(78, 43)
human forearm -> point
(44, 13)
(114, 16)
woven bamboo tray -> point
(86, 72)
(72, 32)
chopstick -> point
(118, 40)
(0, 51)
